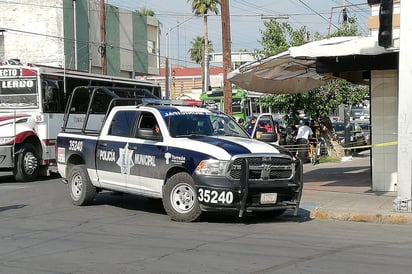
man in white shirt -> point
(304, 132)
(302, 138)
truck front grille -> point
(263, 167)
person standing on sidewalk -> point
(302, 138)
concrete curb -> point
(396, 218)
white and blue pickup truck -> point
(194, 159)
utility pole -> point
(102, 47)
(167, 65)
(75, 33)
(227, 59)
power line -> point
(303, 3)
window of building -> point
(151, 47)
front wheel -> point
(27, 164)
(180, 198)
(81, 189)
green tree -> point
(146, 12)
(319, 102)
(348, 28)
(202, 8)
(278, 37)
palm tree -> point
(197, 53)
(202, 7)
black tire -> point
(269, 214)
(180, 198)
(27, 164)
(81, 189)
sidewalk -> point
(342, 191)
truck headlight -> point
(212, 167)
(6, 140)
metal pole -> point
(103, 36)
(167, 67)
(167, 76)
(75, 33)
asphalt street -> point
(42, 232)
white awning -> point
(339, 46)
(294, 71)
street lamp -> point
(168, 64)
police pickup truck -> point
(194, 159)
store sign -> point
(9, 72)
(17, 84)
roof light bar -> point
(153, 101)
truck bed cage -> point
(100, 100)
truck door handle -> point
(132, 147)
(102, 144)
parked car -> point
(357, 137)
(366, 129)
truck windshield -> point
(18, 93)
(203, 124)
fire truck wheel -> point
(180, 199)
(81, 189)
(27, 164)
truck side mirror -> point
(148, 134)
(268, 137)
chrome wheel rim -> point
(77, 186)
(30, 163)
(182, 198)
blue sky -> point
(246, 20)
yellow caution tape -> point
(375, 145)
(302, 146)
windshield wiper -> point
(190, 135)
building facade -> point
(186, 82)
(69, 33)
(384, 110)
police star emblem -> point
(125, 160)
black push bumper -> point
(250, 195)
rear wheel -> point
(180, 198)
(27, 164)
(81, 189)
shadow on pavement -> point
(352, 176)
(345, 176)
(4, 208)
(155, 206)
